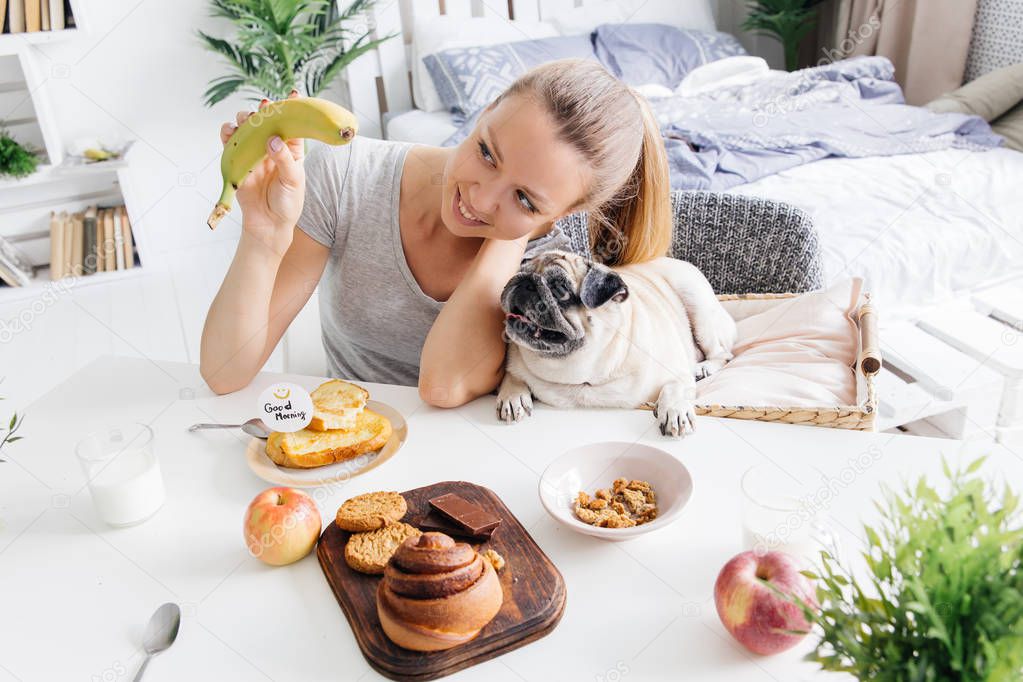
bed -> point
(918, 227)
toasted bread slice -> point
(336, 405)
(305, 448)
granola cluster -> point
(626, 504)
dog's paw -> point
(706, 368)
(514, 407)
(676, 419)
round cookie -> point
(370, 511)
(369, 552)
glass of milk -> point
(122, 472)
(785, 508)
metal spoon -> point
(254, 427)
(161, 632)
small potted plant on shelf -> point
(16, 160)
(942, 598)
(788, 20)
(283, 45)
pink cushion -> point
(796, 352)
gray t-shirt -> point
(373, 313)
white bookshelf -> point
(25, 208)
(12, 43)
(47, 173)
(57, 184)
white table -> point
(75, 594)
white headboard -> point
(379, 82)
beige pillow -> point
(796, 352)
(989, 96)
(1010, 126)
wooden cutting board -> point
(534, 592)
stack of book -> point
(25, 16)
(98, 240)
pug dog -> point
(581, 334)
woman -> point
(415, 243)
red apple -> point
(281, 526)
(757, 616)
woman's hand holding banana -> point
(271, 194)
(262, 162)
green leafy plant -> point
(12, 427)
(788, 20)
(15, 160)
(285, 44)
(945, 595)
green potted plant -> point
(16, 160)
(281, 45)
(942, 597)
(787, 20)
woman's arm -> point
(273, 273)
(463, 357)
(261, 294)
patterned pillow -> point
(997, 37)
(641, 54)
(467, 79)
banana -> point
(295, 117)
(96, 154)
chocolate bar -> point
(465, 514)
(435, 521)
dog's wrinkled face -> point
(552, 303)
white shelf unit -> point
(25, 219)
(26, 203)
(24, 108)
(12, 43)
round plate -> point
(597, 465)
(266, 469)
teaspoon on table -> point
(254, 427)
(161, 632)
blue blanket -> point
(850, 108)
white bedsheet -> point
(425, 127)
(918, 228)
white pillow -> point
(694, 14)
(654, 90)
(439, 33)
(723, 73)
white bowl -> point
(596, 465)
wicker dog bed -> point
(859, 417)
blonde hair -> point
(628, 201)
